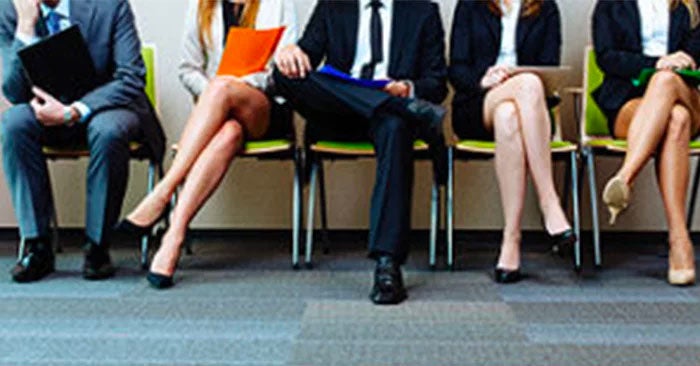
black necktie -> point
(376, 40)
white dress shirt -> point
(655, 19)
(363, 54)
(62, 9)
(508, 55)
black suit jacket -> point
(476, 43)
(618, 46)
(417, 42)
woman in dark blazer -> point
(660, 119)
(489, 38)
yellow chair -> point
(339, 150)
(138, 152)
(596, 140)
(561, 151)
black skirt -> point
(468, 118)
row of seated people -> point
(402, 41)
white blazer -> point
(200, 62)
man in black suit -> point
(402, 41)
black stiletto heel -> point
(159, 281)
(507, 276)
(136, 231)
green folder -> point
(692, 77)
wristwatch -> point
(68, 116)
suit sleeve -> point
(551, 55)
(463, 74)
(128, 81)
(191, 68)
(15, 86)
(315, 37)
(432, 84)
(612, 60)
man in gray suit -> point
(106, 119)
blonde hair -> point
(529, 8)
(692, 6)
(205, 15)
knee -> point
(220, 89)
(19, 122)
(393, 129)
(228, 139)
(679, 124)
(107, 132)
(505, 121)
(665, 82)
(529, 86)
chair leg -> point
(693, 195)
(146, 239)
(54, 231)
(590, 165)
(450, 207)
(434, 223)
(21, 248)
(573, 168)
(324, 209)
(311, 207)
(567, 186)
(297, 209)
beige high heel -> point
(616, 196)
(681, 277)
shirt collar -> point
(62, 9)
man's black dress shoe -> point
(36, 264)
(507, 276)
(388, 286)
(98, 264)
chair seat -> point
(52, 152)
(620, 146)
(262, 147)
(355, 148)
(489, 147)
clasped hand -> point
(48, 110)
(495, 75)
(676, 61)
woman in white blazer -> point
(228, 111)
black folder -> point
(61, 65)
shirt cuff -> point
(84, 111)
(412, 87)
(26, 39)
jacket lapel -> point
(401, 16)
(675, 28)
(635, 18)
(493, 23)
(81, 13)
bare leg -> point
(511, 171)
(527, 92)
(204, 177)
(672, 167)
(650, 121)
(222, 99)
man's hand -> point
(399, 89)
(293, 62)
(27, 15)
(676, 61)
(49, 111)
(494, 76)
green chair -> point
(338, 150)
(138, 152)
(596, 140)
(480, 150)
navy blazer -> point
(112, 40)
(619, 52)
(417, 42)
(476, 43)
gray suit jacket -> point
(110, 33)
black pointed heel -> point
(127, 227)
(563, 242)
(507, 276)
(159, 281)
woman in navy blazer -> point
(628, 37)
(488, 39)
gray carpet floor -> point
(237, 302)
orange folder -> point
(248, 50)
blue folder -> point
(337, 74)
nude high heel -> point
(616, 196)
(681, 277)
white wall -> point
(257, 195)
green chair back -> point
(148, 53)
(596, 124)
